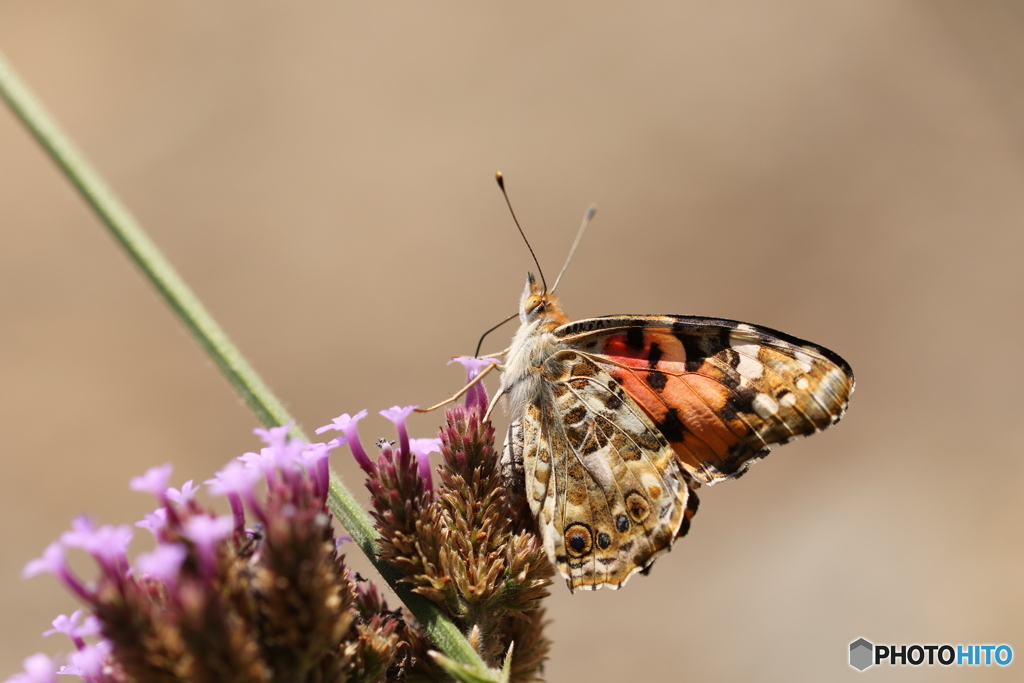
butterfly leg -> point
(499, 353)
(494, 402)
(463, 390)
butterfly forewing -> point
(720, 391)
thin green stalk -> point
(267, 408)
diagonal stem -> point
(209, 335)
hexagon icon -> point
(861, 654)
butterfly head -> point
(538, 305)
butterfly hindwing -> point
(602, 481)
(722, 392)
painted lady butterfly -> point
(617, 420)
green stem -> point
(268, 410)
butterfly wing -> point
(602, 481)
(721, 392)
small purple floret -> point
(347, 424)
(236, 481)
(38, 669)
(315, 458)
(284, 452)
(185, 495)
(477, 394)
(398, 415)
(53, 562)
(205, 532)
(90, 660)
(163, 562)
(275, 437)
(421, 448)
(154, 522)
(153, 481)
(108, 544)
(69, 627)
(265, 461)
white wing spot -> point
(804, 361)
(788, 400)
(765, 406)
(802, 384)
(748, 366)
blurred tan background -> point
(321, 173)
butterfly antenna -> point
(591, 210)
(480, 343)
(501, 183)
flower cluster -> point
(464, 546)
(220, 600)
(216, 601)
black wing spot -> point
(578, 539)
(615, 387)
(672, 427)
(657, 380)
(622, 523)
(635, 338)
(654, 355)
(700, 343)
(611, 401)
(740, 401)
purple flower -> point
(153, 481)
(163, 562)
(421, 448)
(154, 522)
(82, 528)
(275, 437)
(476, 396)
(347, 424)
(108, 543)
(284, 452)
(38, 669)
(90, 660)
(206, 532)
(69, 627)
(398, 415)
(264, 461)
(53, 562)
(315, 458)
(235, 481)
(185, 495)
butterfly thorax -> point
(539, 315)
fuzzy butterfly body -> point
(616, 421)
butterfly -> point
(617, 420)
